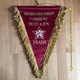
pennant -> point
(39, 27)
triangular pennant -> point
(39, 28)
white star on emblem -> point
(39, 33)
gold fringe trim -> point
(21, 28)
